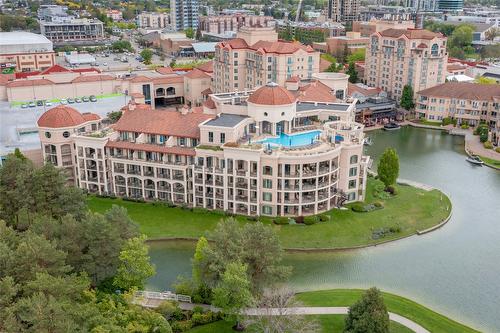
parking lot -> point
(18, 126)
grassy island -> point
(404, 214)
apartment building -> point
(153, 20)
(225, 155)
(256, 57)
(71, 29)
(343, 45)
(223, 23)
(184, 14)
(343, 10)
(468, 103)
(368, 28)
(114, 14)
(25, 51)
(399, 57)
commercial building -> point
(184, 14)
(47, 12)
(25, 51)
(450, 5)
(468, 103)
(65, 30)
(222, 23)
(224, 156)
(399, 57)
(343, 45)
(367, 28)
(256, 57)
(153, 20)
(343, 10)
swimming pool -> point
(293, 140)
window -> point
(48, 135)
(351, 196)
(66, 134)
(267, 183)
(267, 210)
(222, 137)
(354, 159)
(352, 183)
(265, 114)
(266, 196)
(210, 136)
(267, 170)
(353, 172)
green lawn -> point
(428, 122)
(432, 321)
(490, 161)
(411, 210)
(329, 324)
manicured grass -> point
(328, 323)
(411, 210)
(432, 321)
(490, 161)
(430, 123)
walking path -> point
(337, 310)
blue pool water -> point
(293, 140)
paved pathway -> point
(337, 310)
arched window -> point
(160, 92)
(170, 91)
(434, 49)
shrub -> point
(253, 218)
(392, 190)
(497, 149)
(170, 310)
(198, 309)
(378, 204)
(464, 126)
(310, 220)
(204, 318)
(483, 137)
(449, 121)
(299, 219)
(488, 145)
(395, 230)
(202, 294)
(184, 286)
(358, 207)
(280, 220)
(324, 217)
(181, 326)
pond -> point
(454, 270)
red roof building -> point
(64, 116)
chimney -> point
(185, 109)
(131, 106)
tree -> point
(485, 80)
(388, 167)
(254, 244)
(121, 46)
(147, 55)
(275, 316)
(462, 36)
(189, 33)
(353, 74)
(492, 33)
(114, 116)
(407, 97)
(198, 259)
(232, 293)
(135, 266)
(358, 55)
(368, 315)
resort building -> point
(468, 103)
(25, 51)
(271, 151)
(399, 57)
(257, 57)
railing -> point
(167, 295)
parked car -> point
(24, 105)
(39, 103)
(63, 101)
(78, 100)
(104, 63)
(71, 100)
(85, 99)
(48, 103)
(32, 104)
(93, 98)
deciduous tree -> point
(407, 98)
(135, 266)
(388, 167)
(147, 55)
(368, 315)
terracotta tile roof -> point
(29, 83)
(55, 69)
(422, 46)
(207, 91)
(23, 75)
(165, 70)
(136, 106)
(455, 66)
(151, 148)
(136, 95)
(64, 116)
(139, 79)
(323, 64)
(281, 47)
(207, 67)
(315, 92)
(369, 91)
(197, 74)
(294, 78)
(209, 103)
(271, 94)
(168, 79)
(171, 123)
(92, 78)
(85, 70)
(237, 43)
(5, 78)
(410, 33)
(464, 90)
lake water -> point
(454, 270)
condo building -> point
(399, 57)
(343, 10)
(153, 20)
(184, 14)
(468, 103)
(257, 57)
(220, 24)
(271, 151)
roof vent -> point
(272, 84)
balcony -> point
(133, 172)
(149, 173)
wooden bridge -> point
(151, 299)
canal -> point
(454, 270)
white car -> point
(64, 101)
(48, 103)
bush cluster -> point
(183, 320)
(280, 220)
(310, 220)
(324, 217)
(488, 145)
(464, 126)
(360, 207)
(133, 199)
(392, 190)
(497, 149)
(449, 121)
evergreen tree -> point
(407, 98)
(388, 167)
(352, 72)
(368, 315)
